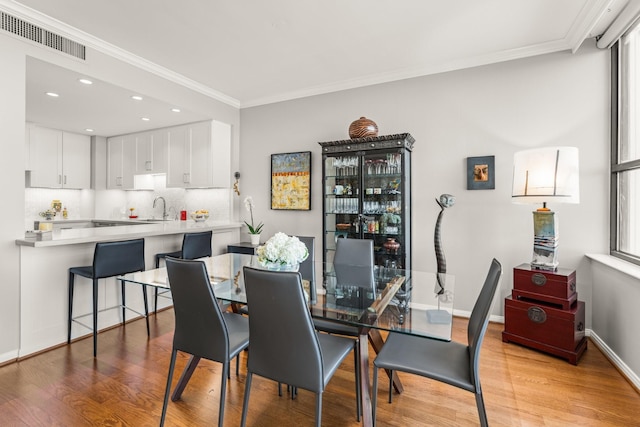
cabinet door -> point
(120, 162)
(160, 151)
(221, 145)
(200, 156)
(45, 157)
(144, 152)
(178, 147)
(76, 161)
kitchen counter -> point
(130, 229)
(44, 273)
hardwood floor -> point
(124, 386)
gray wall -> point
(556, 99)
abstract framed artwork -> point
(291, 181)
(481, 174)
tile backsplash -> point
(115, 204)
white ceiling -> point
(254, 52)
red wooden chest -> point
(554, 287)
(546, 328)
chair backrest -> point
(200, 328)
(353, 263)
(480, 315)
(308, 266)
(196, 245)
(284, 346)
(116, 258)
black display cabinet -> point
(367, 195)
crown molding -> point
(587, 19)
(413, 72)
(59, 27)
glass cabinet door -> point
(342, 199)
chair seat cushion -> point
(334, 350)
(86, 271)
(330, 327)
(446, 361)
(238, 330)
(175, 254)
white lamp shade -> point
(547, 174)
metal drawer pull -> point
(537, 315)
(580, 327)
(539, 279)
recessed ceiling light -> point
(89, 130)
(53, 94)
(85, 81)
(137, 97)
(175, 110)
(146, 119)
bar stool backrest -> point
(196, 245)
(116, 258)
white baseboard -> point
(631, 376)
(9, 356)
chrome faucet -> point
(164, 206)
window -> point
(625, 148)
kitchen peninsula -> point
(44, 268)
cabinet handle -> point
(147, 165)
(580, 327)
(59, 179)
(539, 279)
(65, 180)
(537, 315)
(186, 178)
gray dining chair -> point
(110, 259)
(202, 329)
(353, 264)
(285, 346)
(194, 245)
(449, 362)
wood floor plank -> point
(125, 384)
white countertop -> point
(72, 236)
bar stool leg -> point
(95, 317)
(124, 303)
(71, 283)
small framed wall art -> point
(291, 181)
(481, 174)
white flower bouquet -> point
(282, 251)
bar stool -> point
(110, 259)
(194, 245)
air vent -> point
(41, 36)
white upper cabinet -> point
(200, 155)
(152, 152)
(58, 159)
(120, 162)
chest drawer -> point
(559, 284)
(542, 323)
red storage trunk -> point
(546, 328)
(554, 287)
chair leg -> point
(223, 392)
(319, 409)
(172, 365)
(245, 404)
(71, 285)
(95, 317)
(124, 303)
(390, 386)
(374, 395)
(482, 413)
(356, 361)
(146, 308)
(155, 301)
(238, 364)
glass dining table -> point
(403, 301)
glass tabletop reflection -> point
(406, 301)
